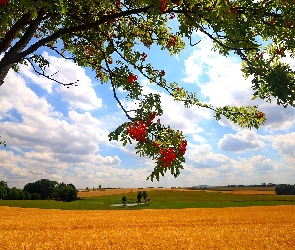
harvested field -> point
(221, 228)
(250, 192)
(92, 193)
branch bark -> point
(15, 29)
(6, 62)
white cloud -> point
(202, 156)
(81, 97)
(221, 80)
(241, 141)
(285, 143)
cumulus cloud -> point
(285, 143)
(81, 97)
(241, 141)
(219, 77)
(202, 156)
(221, 80)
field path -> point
(210, 228)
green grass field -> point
(165, 199)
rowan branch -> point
(49, 77)
(13, 31)
(70, 30)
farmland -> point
(162, 199)
(268, 227)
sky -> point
(58, 133)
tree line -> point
(285, 189)
(40, 190)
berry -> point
(3, 2)
(172, 41)
(132, 78)
(138, 131)
(260, 115)
(163, 5)
(144, 56)
(167, 156)
(151, 118)
(182, 147)
(172, 15)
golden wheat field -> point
(220, 228)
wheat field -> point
(210, 228)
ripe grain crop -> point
(211, 228)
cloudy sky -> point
(61, 134)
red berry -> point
(182, 147)
(163, 72)
(172, 15)
(132, 78)
(151, 118)
(144, 56)
(138, 131)
(167, 156)
(260, 115)
(3, 2)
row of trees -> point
(285, 189)
(140, 196)
(39, 190)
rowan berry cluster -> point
(132, 78)
(172, 41)
(167, 156)
(138, 130)
(3, 2)
(260, 115)
(163, 5)
(170, 154)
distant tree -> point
(3, 189)
(65, 192)
(14, 194)
(124, 199)
(27, 195)
(44, 187)
(144, 195)
(3, 193)
(99, 186)
(139, 196)
(285, 189)
(35, 196)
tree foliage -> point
(3, 189)
(124, 199)
(144, 195)
(65, 192)
(112, 37)
(44, 187)
(285, 189)
(139, 196)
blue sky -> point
(61, 134)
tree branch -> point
(14, 30)
(49, 77)
(73, 29)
